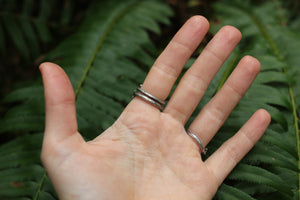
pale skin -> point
(146, 154)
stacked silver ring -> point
(149, 98)
(160, 105)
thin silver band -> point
(149, 98)
(203, 149)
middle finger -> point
(195, 81)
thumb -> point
(60, 103)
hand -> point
(147, 154)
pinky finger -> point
(232, 151)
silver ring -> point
(202, 148)
(149, 98)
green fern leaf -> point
(28, 25)
(258, 175)
(105, 60)
(228, 192)
(273, 165)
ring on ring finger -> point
(202, 148)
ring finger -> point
(216, 111)
(194, 83)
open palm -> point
(147, 154)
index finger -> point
(170, 63)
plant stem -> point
(277, 53)
(40, 185)
(228, 71)
(99, 45)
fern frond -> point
(271, 169)
(257, 175)
(28, 25)
(104, 60)
(21, 171)
(227, 192)
(104, 65)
